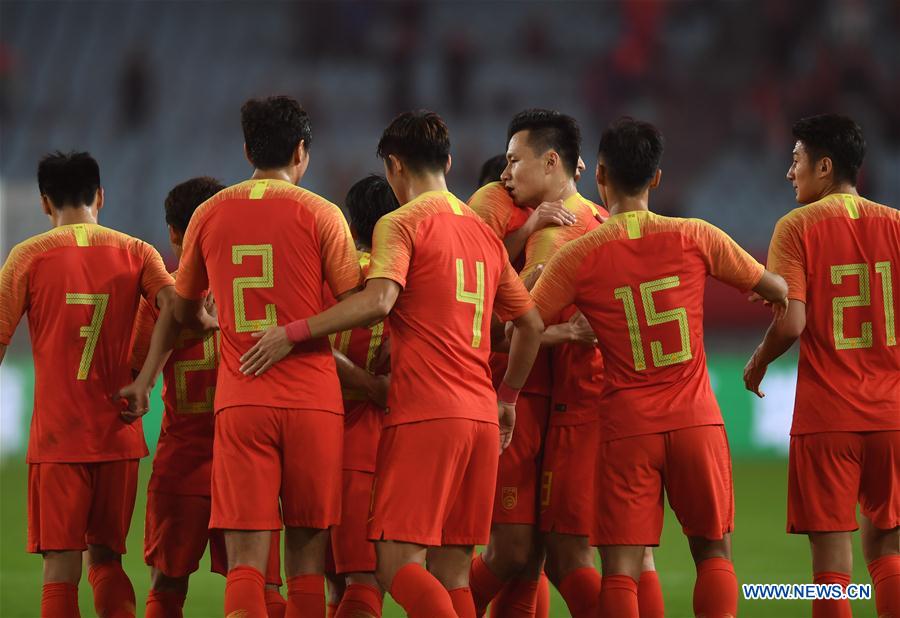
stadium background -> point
(153, 89)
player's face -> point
(525, 175)
(802, 175)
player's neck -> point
(276, 174)
(561, 191)
(628, 203)
(417, 185)
(839, 187)
(73, 216)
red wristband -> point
(297, 331)
(507, 394)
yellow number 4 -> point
(91, 332)
(655, 318)
(475, 298)
(266, 280)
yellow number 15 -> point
(655, 318)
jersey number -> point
(341, 342)
(655, 318)
(475, 298)
(863, 299)
(184, 367)
(91, 332)
(266, 280)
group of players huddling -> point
(524, 370)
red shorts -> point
(350, 545)
(434, 482)
(261, 454)
(693, 465)
(176, 530)
(828, 473)
(73, 505)
(515, 499)
(567, 480)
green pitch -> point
(763, 554)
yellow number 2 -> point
(266, 280)
(183, 367)
(476, 298)
(654, 318)
(91, 332)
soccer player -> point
(439, 271)
(80, 284)
(840, 254)
(265, 248)
(639, 280)
(359, 352)
(178, 502)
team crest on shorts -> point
(509, 497)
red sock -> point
(483, 584)
(463, 602)
(360, 601)
(164, 604)
(518, 599)
(244, 588)
(618, 597)
(331, 610)
(650, 596)
(113, 593)
(420, 594)
(580, 589)
(59, 600)
(716, 589)
(826, 608)
(542, 604)
(276, 605)
(885, 572)
(306, 596)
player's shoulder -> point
(492, 196)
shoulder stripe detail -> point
(259, 189)
(455, 205)
(632, 225)
(81, 235)
(850, 205)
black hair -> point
(834, 136)
(419, 138)
(184, 198)
(272, 129)
(631, 151)
(367, 201)
(69, 179)
(550, 130)
(492, 169)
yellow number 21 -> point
(655, 318)
(863, 299)
(91, 332)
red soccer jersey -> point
(183, 461)
(265, 248)
(576, 369)
(80, 285)
(497, 209)
(362, 417)
(639, 280)
(841, 256)
(453, 270)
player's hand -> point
(273, 345)
(209, 303)
(532, 277)
(378, 390)
(754, 372)
(581, 331)
(507, 417)
(550, 213)
(778, 308)
(136, 401)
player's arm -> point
(354, 377)
(779, 338)
(13, 296)
(545, 215)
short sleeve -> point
(495, 207)
(788, 259)
(13, 294)
(392, 247)
(154, 275)
(143, 331)
(512, 299)
(340, 262)
(193, 280)
(555, 289)
(543, 245)
(726, 260)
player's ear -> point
(247, 155)
(98, 201)
(600, 174)
(551, 161)
(448, 165)
(657, 177)
(393, 164)
(299, 153)
(175, 237)
(824, 167)
(46, 206)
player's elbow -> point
(530, 323)
(165, 298)
(772, 287)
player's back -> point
(849, 357)
(81, 285)
(267, 247)
(450, 265)
(640, 280)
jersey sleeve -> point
(555, 289)
(494, 206)
(193, 279)
(392, 247)
(154, 275)
(788, 259)
(340, 263)
(726, 260)
(13, 294)
(512, 299)
(143, 330)
(542, 246)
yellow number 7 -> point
(266, 280)
(655, 318)
(91, 332)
